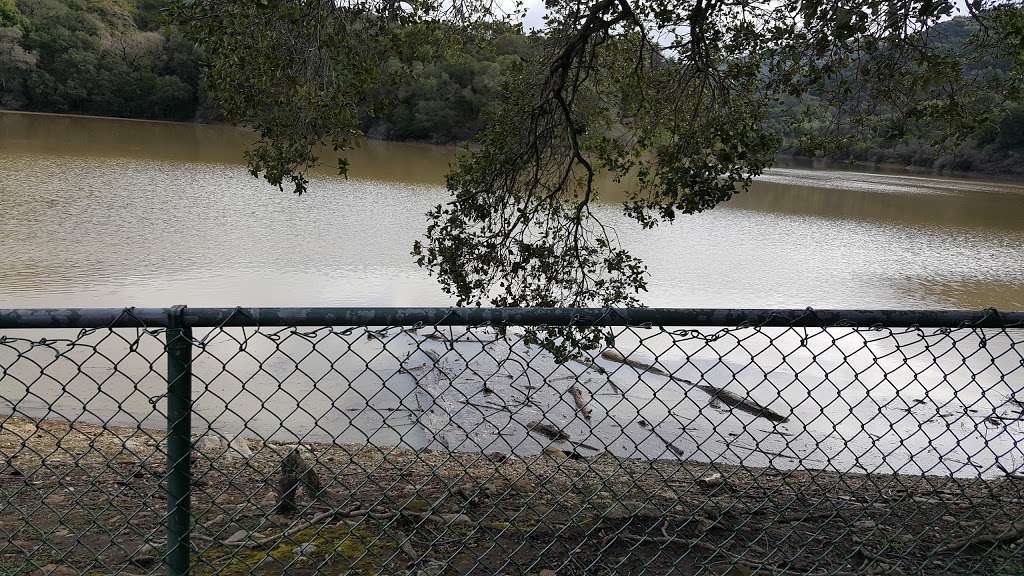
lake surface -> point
(101, 212)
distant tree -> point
(443, 95)
(93, 57)
(1011, 128)
(10, 16)
(16, 66)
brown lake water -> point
(101, 212)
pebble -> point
(55, 499)
(239, 536)
(145, 556)
(215, 444)
(215, 521)
(433, 568)
(711, 481)
(865, 525)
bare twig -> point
(1004, 533)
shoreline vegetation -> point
(97, 503)
(781, 160)
(122, 59)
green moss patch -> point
(337, 548)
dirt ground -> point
(83, 499)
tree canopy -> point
(673, 94)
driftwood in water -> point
(547, 430)
(591, 365)
(581, 403)
(616, 356)
(1012, 475)
(295, 472)
(720, 394)
(588, 363)
(679, 452)
(442, 367)
(738, 402)
(558, 435)
(792, 456)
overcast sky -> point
(535, 12)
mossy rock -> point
(335, 549)
(416, 505)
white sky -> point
(535, 11)
(534, 14)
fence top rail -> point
(215, 317)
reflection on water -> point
(895, 200)
(112, 213)
(47, 135)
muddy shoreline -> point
(89, 499)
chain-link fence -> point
(447, 441)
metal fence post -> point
(179, 442)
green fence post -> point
(179, 443)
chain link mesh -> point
(464, 450)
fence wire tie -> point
(219, 328)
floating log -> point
(588, 363)
(738, 402)
(616, 356)
(559, 435)
(720, 394)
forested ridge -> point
(123, 58)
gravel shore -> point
(87, 499)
